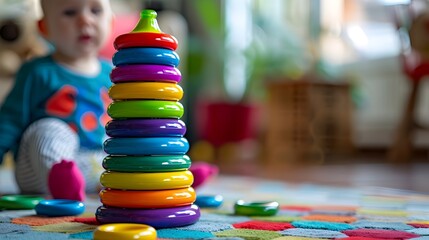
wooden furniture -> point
(415, 62)
(308, 120)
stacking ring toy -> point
(145, 39)
(148, 199)
(146, 146)
(209, 201)
(125, 231)
(146, 90)
(161, 56)
(145, 109)
(147, 72)
(18, 202)
(146, 128)
(169, 163)
(256, 208)
(59, 207)
(146, 181)
(157, 218)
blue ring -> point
(59, 207)
(158, 56)
(208, 201)
(146, 146)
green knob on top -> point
(147, 22)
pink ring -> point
(145, 72)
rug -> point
(307, 211)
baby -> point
(53, 119)
(56, 109)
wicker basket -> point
(308, 120)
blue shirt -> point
(43, 88)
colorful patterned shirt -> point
(44, 88)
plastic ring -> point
(147, 72)
(161, 56)
(145, 109)
(146, 146)
(146, 128)
(209, 201)
(59, 207)
(145, 39)
(148, 199)
(158, 218)
(18, 202)
(124, 231)
(146, 181)
(256, 208)
(146, 90)
(169, 163)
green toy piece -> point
(147, 22)
(18, 202)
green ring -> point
(145, 109)
(256, 208)
(169, 163)
(18, 202)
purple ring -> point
(157, 218)
(146, 128)
(145, 72)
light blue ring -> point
(59, 207)
(146, 146)
(209, 201)
(158, 56)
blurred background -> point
(326, 91)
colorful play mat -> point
(306, 211)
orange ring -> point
(145, 39)
(148, 199)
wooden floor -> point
(360, 170)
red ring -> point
(145, 39)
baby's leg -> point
(44, 143)
(90, 163)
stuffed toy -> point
(19, 37)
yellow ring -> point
(146, 181)
(146, 90)
(148, 199)
(125, 231)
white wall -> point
(385, 91)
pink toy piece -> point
(203, 172)
(65, 181)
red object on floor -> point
(379, 233)
(263, 225)
(86, 220)
(365, 238)
(296, 208)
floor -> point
(360, 170)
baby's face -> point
(78, 28)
